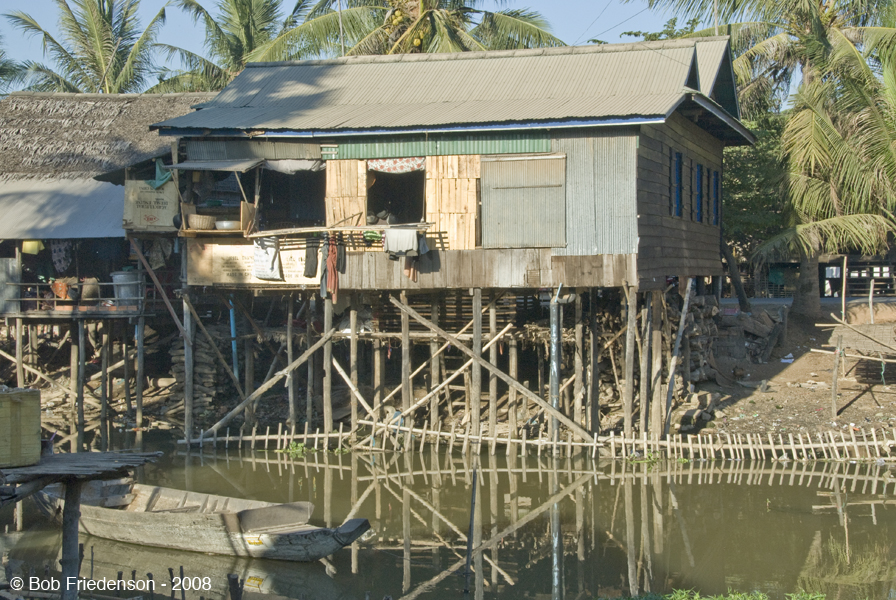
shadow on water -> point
(543, 527)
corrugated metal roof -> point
(440, 90)
(239, 166)
(709, 60)
(60, 209)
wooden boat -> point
(167, 518)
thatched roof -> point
(79, 136)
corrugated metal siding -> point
(523, 202)
(244, 149)
(601, 193)
(444, 145)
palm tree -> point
(407, 26)
(240, 28)
(102, 49)
(10, 70)
(840, 148)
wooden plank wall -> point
(346, 192)
(675, 246)
(487, 268)
(452, 200)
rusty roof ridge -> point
(492, 54)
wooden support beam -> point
(81, 367)
(126, 362)
(406, 390)
(492, 358)
(644, 370)
(836, 377)
(675, 352)
(658, 314)
(476, 372)
(104, 372)
(73, 365)
(354, 389)
(353, 359)
(579, 360)
(593, 400)
(629, 366)
(20, 371)
(292, 419)
(513, 371)
(328, 367)
(159, 288)
(311, 375)
(138, 392)
(211, 342)
(71, 514)
(434, 371)
(189, 367)
(268, 384)
(501, 375)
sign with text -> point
(148, 209)
(211, 262)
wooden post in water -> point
(476, 370)
(127, 371)
(189, 367)
(378, 376)
(593, 401)
(290, 377)
(656, 371)
(512, 398)
(73, 364)
(138, 392)
(644, 394)
(406, 388)
(309, 341)
(81, 367)
(492, 358)
(434, 362)
(629, 389)
(249, 362)
(353, 361)
(71, 514)
(20, 369)
(104, 375)
(578, 389)
(835, 377)
(328, 367)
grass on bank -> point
(691, 595)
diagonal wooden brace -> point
(492, 368)
(158, 285)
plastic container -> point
(128, 284)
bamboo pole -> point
(673, 364)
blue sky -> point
(573, 21)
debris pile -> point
(210, 380)
(697, 408)
(753, 334)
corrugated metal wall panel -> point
(601, 193)
(523, 202)
(236, 149)
(444, 145)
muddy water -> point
(547, 528)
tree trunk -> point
(734, 273)
(807, 296)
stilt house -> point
(581, 167)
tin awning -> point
(238, 166)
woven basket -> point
(201, 221)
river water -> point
(545, 527)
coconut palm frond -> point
(513, 29)
(863, 233)
(132, 73)
(41, 78)
(71, 67)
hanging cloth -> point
(163, 176)
(397, 165)
(332, 272)
(311, 247)
(267, 259)
(61, 251)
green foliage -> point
(101, 49)
(297, 450)
(755, 196)
(669, 31)
(10, 70)
(692, 595)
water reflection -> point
(542, 527)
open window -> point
(396, 190)
(292, 194)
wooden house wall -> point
(346, 192)
(452, 200)
(669, 245)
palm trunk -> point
(807, 295)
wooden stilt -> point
(189, 367)
(328, 367)
(476, 371)
(657, 315)
(629, 389)
(104, 370)
(290, 377)
(309, 342)
(579, 362)
(644, 369)
(378, 376)
(593, 400)
(835, 377)
(20, 370)
(81, 367)
(492, 379)
(406, 388)
(434, 364)
(353, 360)
(513, 369)
(675, 352)
(127, 371)
(71, 514)
(138, 392)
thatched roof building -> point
(52, 146)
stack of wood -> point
(210, 380)
(753, 334)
